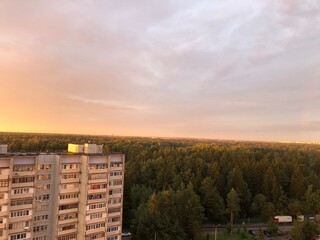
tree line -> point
(172, 186)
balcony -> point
(70, 200)
(18, 230)
(25, 195)
(70, 180)
(104, 170)
(24, 173)
(70, 190)
(4, 176)
(3, 202)
(2, 225)
(97, 210)
(116, 177)
(4, 189)
(92, 221)
(117, 195)
(3, 213)
(67, 221)
(97, 230)
(114, 205)
(100, 200)
(20, 219)
(76, 170)
(19, 207)
(114, 214)
(116, 168)
(102, 238)
(71, 210)
(112, 224)
(69, 231)
(114, 232)
(21, 185)
(102, 180)
(111, 187)
(101, 190)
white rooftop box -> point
(92, 148)
(3, 149)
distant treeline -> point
(173, 185)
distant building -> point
(74, 195)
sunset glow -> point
(200, 69)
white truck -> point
(282, 219)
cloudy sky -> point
(228, 69)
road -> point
(283, 228)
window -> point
(40, 218)
(22, 179)
(4, 183)
(113, 219)
(67, 227)
(40, 228)
(18, 225)
(43, 187)
(115, 182)
(114, 210)
(98, 186)
(21, 191)
(98, 166)
(19, 213)
(44, 177)
(19, 202)
(113, 238)
(95, 226)
(97, 206)
(67, 216)
(112, 229)
(98, 176)
(40, 238)
(70, 176)
(44, 166)
(18, 236)
(95, 236)
(68, 206)
(68, 237)
(43, 197)
(70, 166)
(116, 165)
(115, 173)
(23, 168)
(96, 196)
(69, 196)
(44, 207)
(115, 191)
(114, 200)
(95, 216)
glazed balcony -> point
(65, 232)
(67, 221)
(21, 207)
(21, 185)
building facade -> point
(74, 195)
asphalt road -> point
(283, 228)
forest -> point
(173, 186)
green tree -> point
(297, 185)
(211, 200)
(233, 203)
(189, 212)
(304, 230)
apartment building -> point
(61, 196)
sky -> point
(244, 70)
